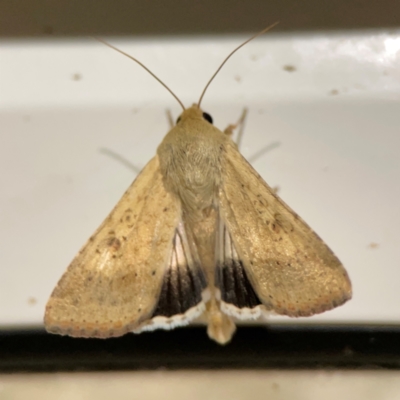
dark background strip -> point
(28, 18)
(252, 347)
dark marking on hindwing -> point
(183, 283)
(230, 275)
(234, 285)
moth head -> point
(194, 112)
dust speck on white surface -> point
(32, 301)
(289, 68)
(76, 77)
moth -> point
(197, 234)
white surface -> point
(200, 385)
(337, 164)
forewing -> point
(115, 281)
(292, 271)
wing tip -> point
(289, 310)
(85, 329)
(81, 331)
(307, 310)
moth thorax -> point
(191, 169)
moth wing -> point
(116, 281)
(237, 295)
(291, 270)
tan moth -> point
(197, 234)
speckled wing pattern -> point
(126, 274)
(291, 270)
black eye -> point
(207, 117)
(178, 120)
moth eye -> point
(207, 117)
(178, 120)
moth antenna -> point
(231, 54)
(143, 66)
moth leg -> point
(120, 159)
(262, 151)
(239, 124)
(170, 118)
